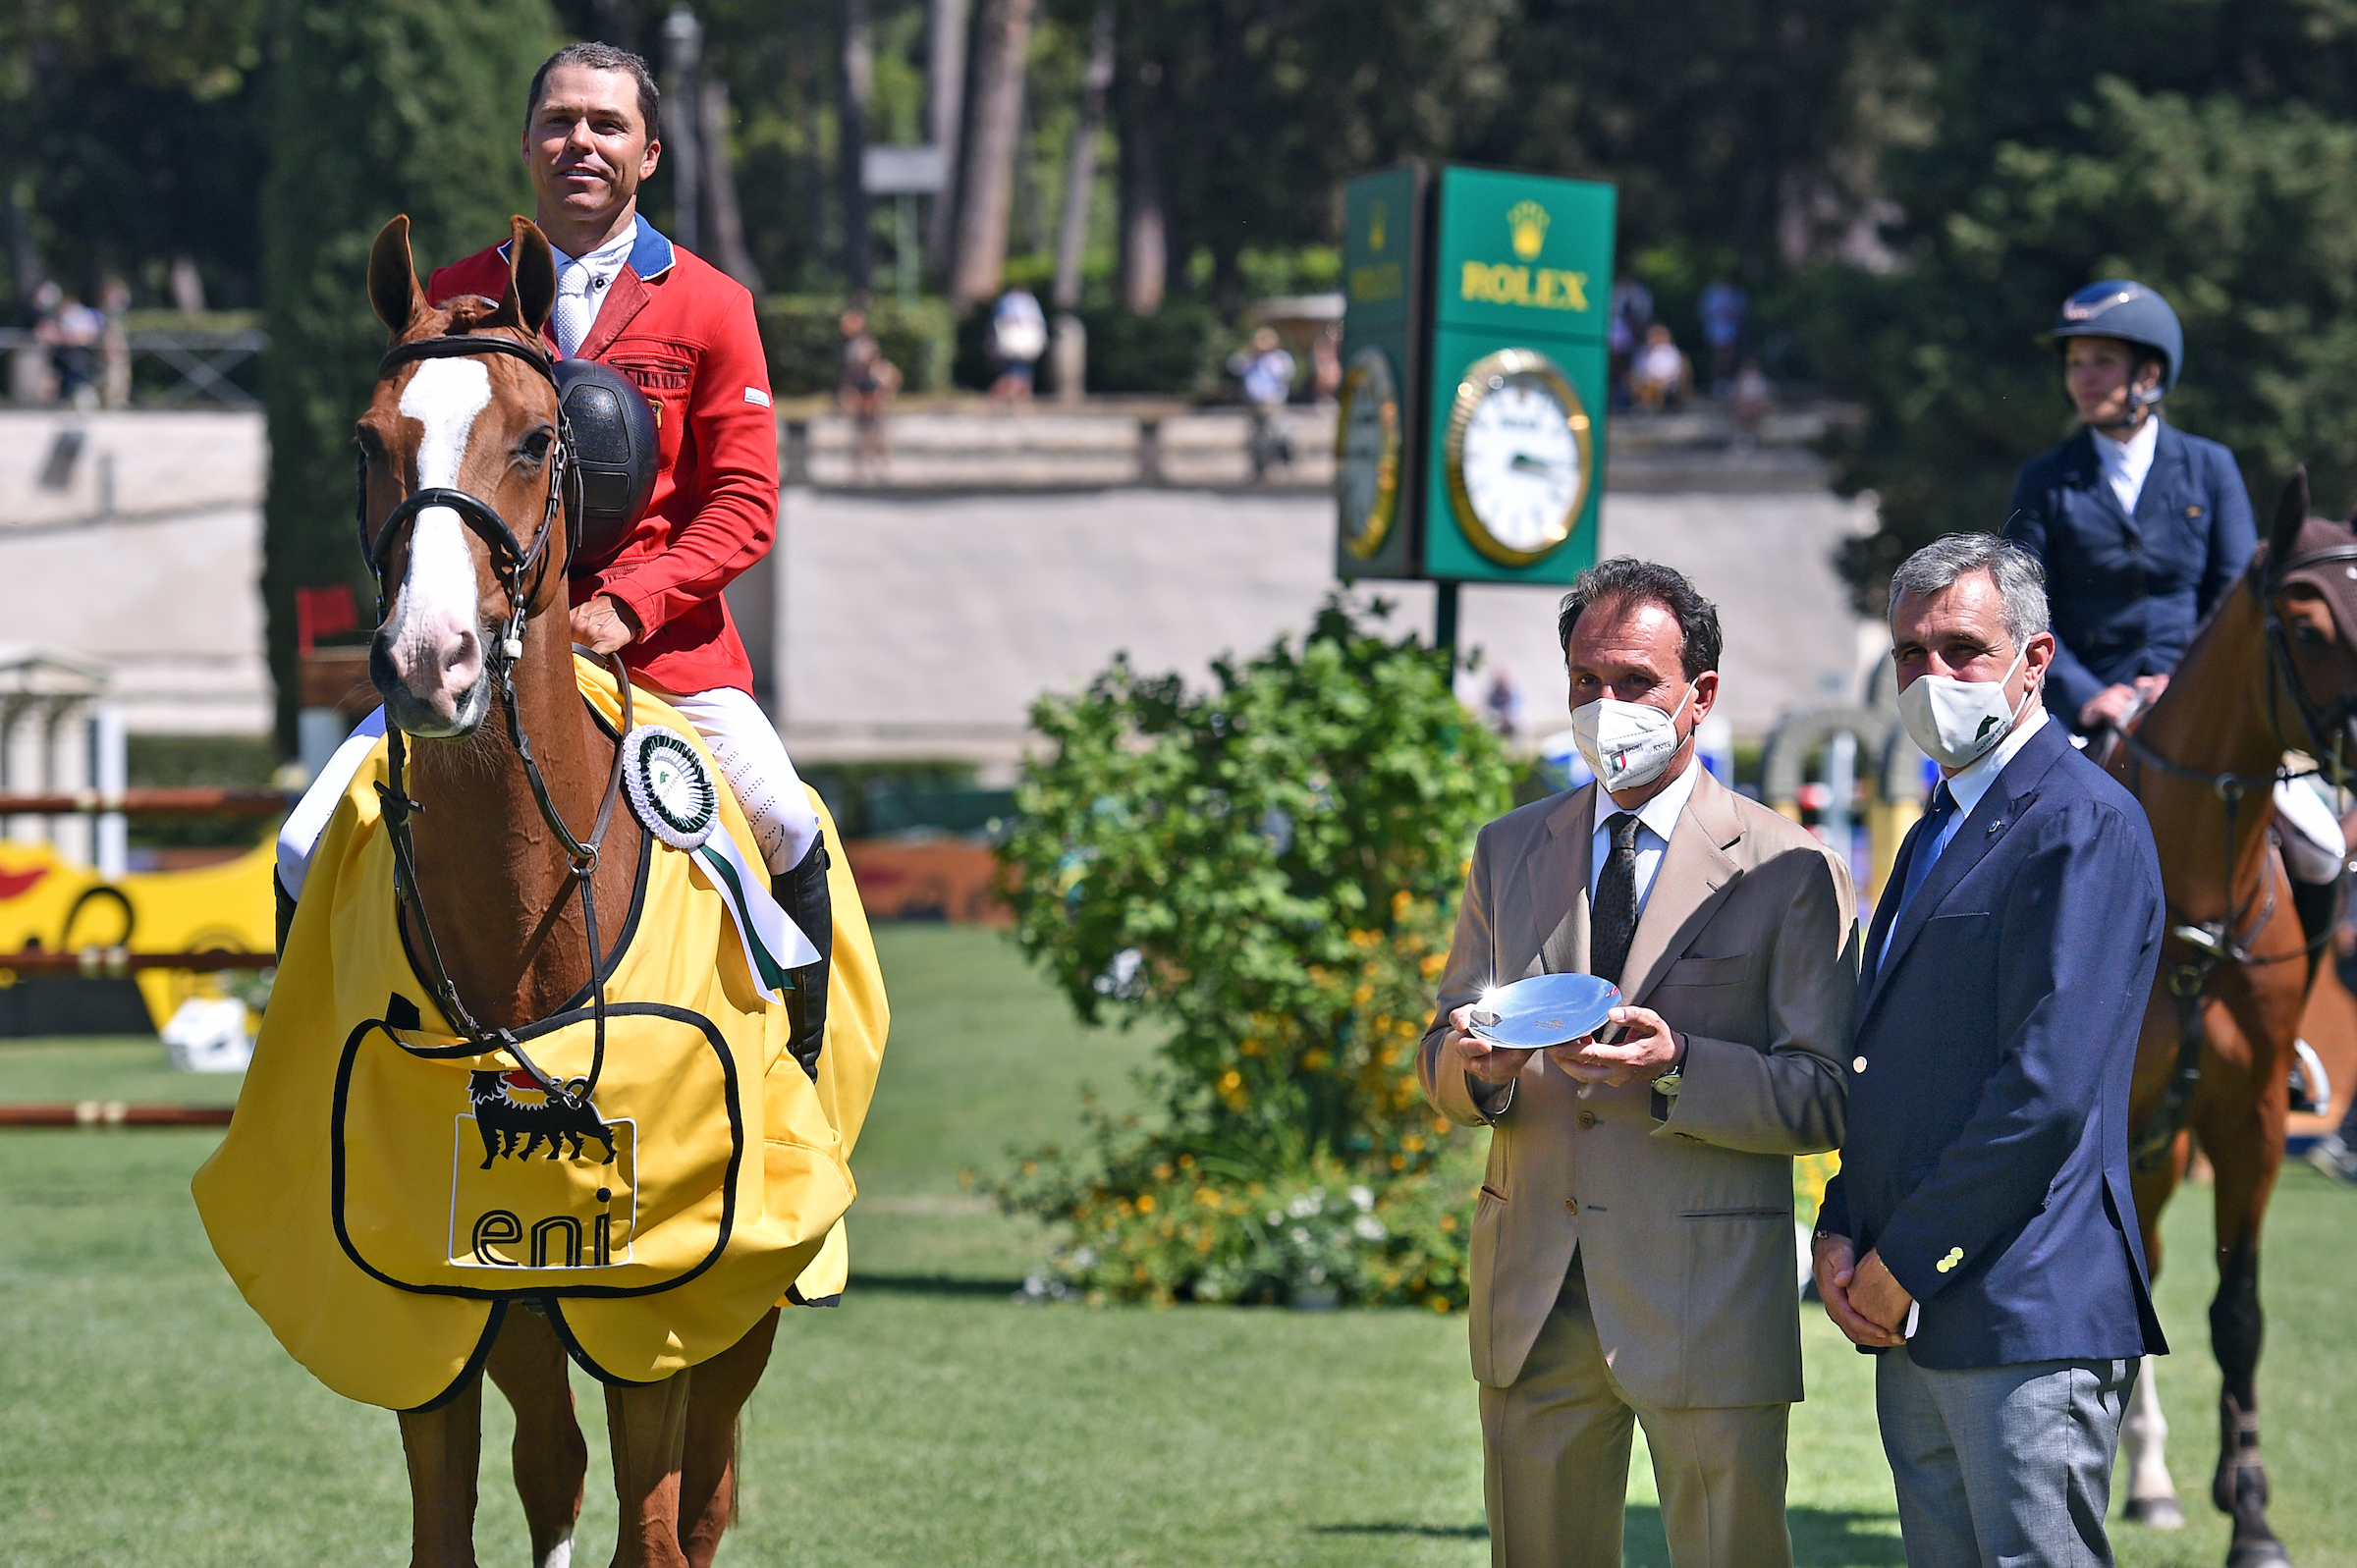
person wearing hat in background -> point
(2142, 528)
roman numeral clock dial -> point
(1518, 456)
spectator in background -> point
(71, 331)
(1723, 309)
(1631, 315)
(1751, 397)
(1018, 336)
(1660, 375)
(1267, 373)
(869, 383)
(1326, 363)
(114, 300)
(1505, 703)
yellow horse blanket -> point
(385, 1194)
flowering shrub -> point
(1269, 870)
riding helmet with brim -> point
(2121, 308)
(614, 454)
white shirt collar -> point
(1662, 812)
(1972, 781)
(603, 263)
(2125, 462)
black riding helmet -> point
(614, 457)
(2120, 308)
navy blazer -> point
(1987, 1151)
(2127, 592)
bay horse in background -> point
(2273, 670)
(465, 408)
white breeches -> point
(2313, 849)
(744, 743)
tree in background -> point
(1269, 870)
(411, 106)
(2201, 148)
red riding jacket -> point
(685, 332)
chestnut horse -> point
(475, 420)
(2273, 670)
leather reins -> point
(2215, 941)
(513, 561)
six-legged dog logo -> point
(514, 1129)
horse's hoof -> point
(2258, 1554)
(2155, 1513)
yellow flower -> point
(1440, 1303)
(1145, 1203)
(1250, 1047)
(1207, 1198)
(1316, 1061)
(1162, 1173)
(1398, 1161)
(1230, 1081)
(1401, 902)
(1448, 1221)
(1186, 1161)
(1433, 964)
(1413, 1143)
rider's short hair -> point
(1628, 582)
(2020, 576)
(601, 57)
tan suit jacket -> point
(1681, 1208)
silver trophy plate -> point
(1545, 1010)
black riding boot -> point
(802, 894)
(2315, 901)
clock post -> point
(1499, 350)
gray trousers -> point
(2002, 1465)
(1556, 1447)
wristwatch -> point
(1668, 1083)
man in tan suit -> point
(1633, 1255)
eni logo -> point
(1375, 217)
(1529, 220)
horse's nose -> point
(435, 660)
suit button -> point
(1571, 1204)
(1587, 1118)
(1857, 1065)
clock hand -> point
(1523, 459)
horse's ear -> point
(2291, 514)
(393, 277)
(531, 276)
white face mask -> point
(1957, 721)
(1627, 745)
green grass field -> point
(932, 1420)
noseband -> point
(514, 562)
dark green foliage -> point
(2201, 148)
(1269, 870)
(1178, 352)
(397, 106)
(803, 335)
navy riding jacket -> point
(2127, 592)
(1987, 1150)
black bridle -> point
(514, 562)
(2210, 942)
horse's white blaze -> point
(2146, 1435)
(439, 611)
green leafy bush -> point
(802, 334)
(1269, 870)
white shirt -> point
(1970, 784)
(585, 280)
(2124, 464)
(1656, 819)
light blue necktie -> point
(1920, 862)
(574, 312)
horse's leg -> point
(648, 1425)
(2245, 1144)
(443, 1447)
(2152, 1495)
(708, 1469)
(549, 1456)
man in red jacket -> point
(685, 333)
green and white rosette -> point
(675, 797)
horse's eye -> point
(536, 445)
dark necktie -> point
(1927, 847)
(1616, 901)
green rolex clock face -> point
(1368, 442)
(1518, 456)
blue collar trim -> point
(651, 254)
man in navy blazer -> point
(1979, 1237)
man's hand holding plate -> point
(1647, 1048)
(1492, 1065)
